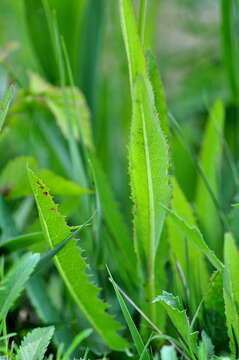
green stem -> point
(142, 18)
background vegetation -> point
(119, 145)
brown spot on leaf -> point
(40, 184)
(6, 191)
(53, 209)
(45, 193)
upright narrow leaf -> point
(148, 156)
(210, 160)
(122, 243)
(72, 267)
(194, 234)
(149, 178)
(187, 260)
(231, 291)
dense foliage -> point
(119, 204)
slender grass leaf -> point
(194, 235)
(190, 271)
(210, 161)
(13, 283)
(4, 105)
(118, 228)
(231, 56)
(35, 343)
(72, 267)
(139, 344)
(231, 291)
(77, 340)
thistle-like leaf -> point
(35, 343)
(72, 267)
(13, 283)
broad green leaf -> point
(138, 341)
(210, 161)
(160, 101)
(179, 318)
(35, 343)
(184, 254)
(53, 98)
(194, 235)
(231, 291)
(13, 283)
(14, 180)
(72, 267)
(122, 243)
(4, 105)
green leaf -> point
(210, 161)
(122, 243)
(138, 342)
(135, 55)
(160, 101)
(61, 186)
(13, 283)
(168, 353)
(53, 98)
(231, 291)
(77, 340)
(194, 235)
(14, 181)
(179, 318)
(21, 242)
(206, 348)
(72, 267)
(4, 105)
(35, 343)
(148, 156)
(184, 253)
